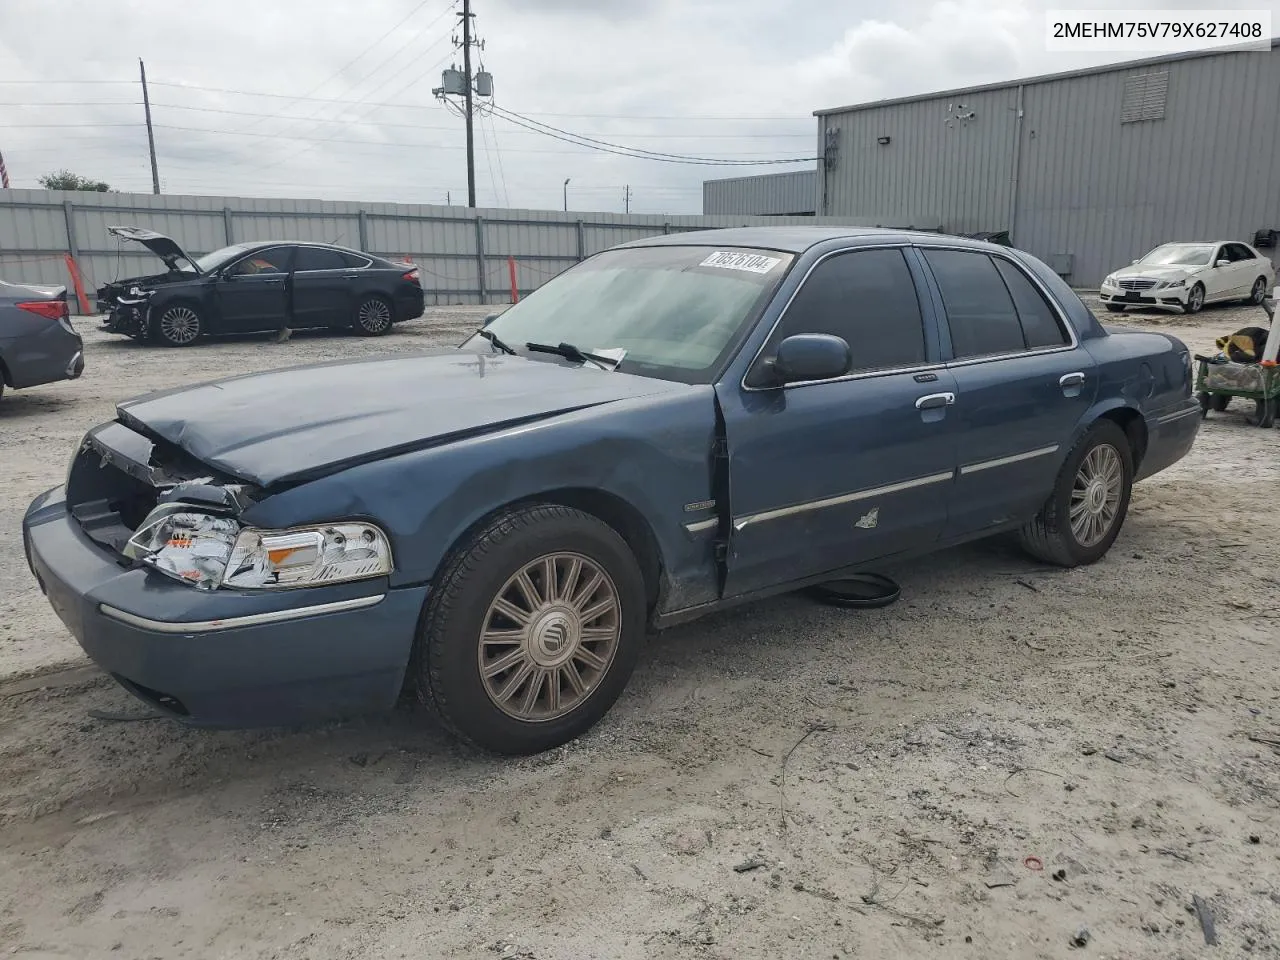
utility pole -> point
(466, 86)
(151, 135)
(466, 16)
(628, 195)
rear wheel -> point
(1264, 413)
(1082, 518)
(1220, 402)
(178, 325)
(1259, 292)
(373, 316)
(532, 630)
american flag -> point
(4, 173)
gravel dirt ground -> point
(1010, 759)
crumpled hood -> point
(293, 424)
(1154, 272)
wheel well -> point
(1134, 427)
(628, 522)
(4, 374)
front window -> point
(211, 261)
(1179, 255)
(677, 312)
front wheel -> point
(1082, 518)
(1195, 299)
(1264, 413)
(531, 631)
(179, 325)
(373, 316)
(1115, 308)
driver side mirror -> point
(1222, 263)
(811, 356)
(489, 319)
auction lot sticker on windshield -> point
(750, 262)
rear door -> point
(253, 292)
(1023, 383)
(1244, 269)
(835, 473)
(322, 288)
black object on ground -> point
(1206, 920)
(859, 590)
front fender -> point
(654, 453)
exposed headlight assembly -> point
(210, 551)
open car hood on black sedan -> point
(166, 248)
(290, 425)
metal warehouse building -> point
(792, 194)
(1087, 169)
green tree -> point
(66, 180)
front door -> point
(253, 292)
(323, 288)
(1022, 386)
(1219, 282)
(838, 473)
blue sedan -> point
(672, 427)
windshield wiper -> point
(570, 352)
(496, 341)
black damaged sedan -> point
(258, 287)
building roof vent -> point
(1144, 97)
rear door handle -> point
(935, 400)
(1071, 380)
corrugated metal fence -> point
(463, 253)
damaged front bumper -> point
(220, 657)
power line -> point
(636, 152)
(258, 94)
(390, 59)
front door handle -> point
(935, 400)
(1071, 380)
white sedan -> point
(1186, 276)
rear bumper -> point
(50, 355)
(410, 304)
(224, 658)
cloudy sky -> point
(330, 99)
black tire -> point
(1115, 308)
(1264, 413)
(373, 316)
(1195, 299)
(446, 668)
(1050, 537)
(1259, 292)
(177, 324)
(1206, 402)
(1220, 401)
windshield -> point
(211, 261)
(1180, 254)
(675, 313)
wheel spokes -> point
(549, 637)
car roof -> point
(263, 244)
(797, 239)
